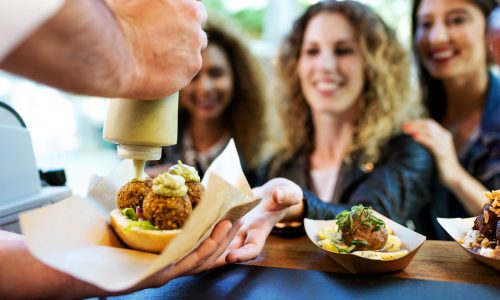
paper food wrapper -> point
(457, 228)
(74, 235)
(410, 241)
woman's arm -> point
(452, 175)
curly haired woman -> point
(347, 93)
(224, 100)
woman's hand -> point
(279, 197)
(439, 142)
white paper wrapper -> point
(74, 236)
(457, 228)
(410, 240)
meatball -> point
(195, 192)
(132, 194)
(375, 240)
(488, 229)
(167, 212)
(362, 229)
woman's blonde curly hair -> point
(245, 115)
(385, 101)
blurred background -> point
(66, 129)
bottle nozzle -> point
(139, 152)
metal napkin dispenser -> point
(20, 185)
(18, 171)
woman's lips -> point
(327, 89)
(442, 56)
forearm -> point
(81, 50)
(23, 276)
(468, 190)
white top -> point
(202, 159)
(324, 182)
(19, 18)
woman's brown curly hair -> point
(245, 114)
(384, 102)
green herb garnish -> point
(130, 213)
(347, 220)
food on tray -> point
(132, 194)
(150, 213)
(484, 238)
(195, 188)
(361, 233)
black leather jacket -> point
(398, 186)
(482, 161)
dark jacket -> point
(482, 161)
(397, 186)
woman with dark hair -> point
(462, 96)
(224, 100)
(346, 93)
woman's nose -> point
(327, 62)
(204, 83)
(438, 33)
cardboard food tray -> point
(74, 235)
(457, 228)
(410, 240)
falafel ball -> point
(195, 191)
(133, 193)
(167, 212)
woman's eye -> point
(458, 20)
(311, 51)
(343, 51)
(216, 72)
(425, 24)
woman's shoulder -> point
(402, 147)
(403, 142)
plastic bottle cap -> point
(139, 152)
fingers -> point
(287, 195)
(200, 255)
(252, 247)
(222, 244)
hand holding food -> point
(361, 233)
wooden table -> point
(296, 269)
(436, 260)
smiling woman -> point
(462, 97)
(345, 94)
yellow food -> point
(326, 232)
(393, 243)
(377, 255)
(389, 230)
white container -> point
(142, 127)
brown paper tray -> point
(457, 228)
(410, 241)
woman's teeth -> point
(327, 86)
(442, 54)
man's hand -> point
(166, 39)
(137, 49)
(23, 276)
